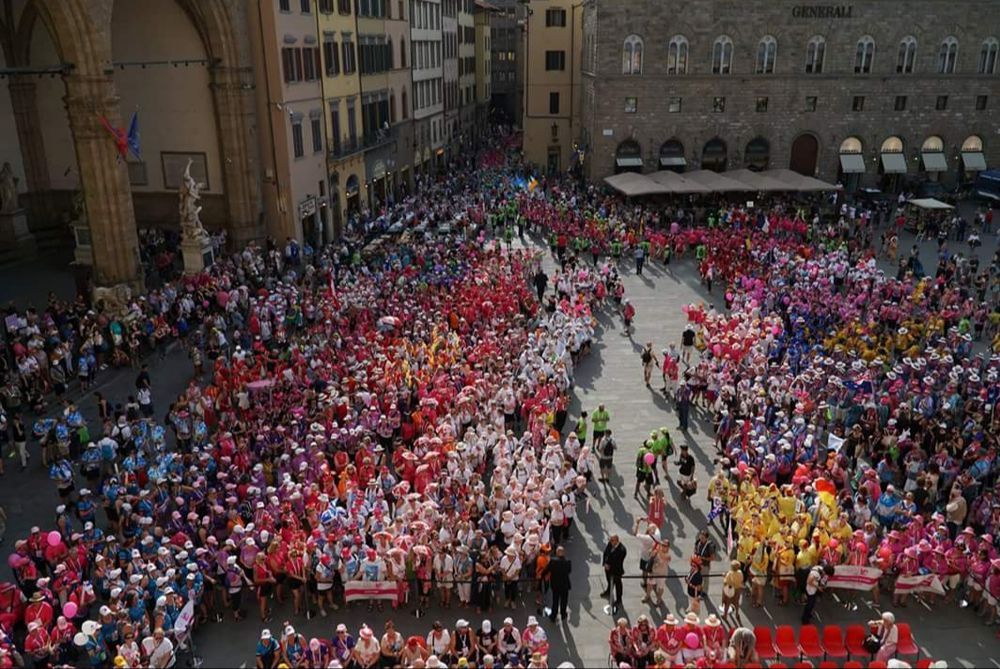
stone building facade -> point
(868, 94)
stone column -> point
(232, 90)
(104, 180)
(24, 102)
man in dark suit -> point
(558, 570)
(614, 568)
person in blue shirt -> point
(268, 654)
(885, 509)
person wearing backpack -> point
(605, 454)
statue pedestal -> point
(14, 234)
(197, 254)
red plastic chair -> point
(876, 664)
(809, 644)
(905, 645)
(852, 665)
(854, 640)
(924, 663)
(784, 641)
(833, 642)
(754, 665)
(829, 665)
(777, 665)
(765, 645)
(802, 665)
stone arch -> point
(804, 156)
(232, 92)
(757, 155)
(715, 155)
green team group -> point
(659, 443)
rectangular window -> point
(811, 103)
(942, 103)
(297, 147)
(718, 104)
(761, 104)
(317, 133)
(288, 64)
(859, 103)
(326, 6)
(553, 103)
(299, 71)
(631, 105)
(555, 18)
(900, 104)
(306, 6)
(349, 60)
(308, 65)
(674, 105)
(344, 6)
(352, 124)
(335, 129)
(981, 102)
(284, 5)
(331, 57)
(555, 60)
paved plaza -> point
(612, 375)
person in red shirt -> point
(38, 645)
(38, 610)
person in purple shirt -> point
(343, 644)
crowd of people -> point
(383, 421)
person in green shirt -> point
(701, 252)
(600, 420)
(643, 470)
(553, 243)
(616, 250)
(581, 428)
(668, 450)
(657, 448)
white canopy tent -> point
(929, 203)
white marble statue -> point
(189, 209)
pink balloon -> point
(14, 561)
(69, 609)
(649, 458)
(776, 330)
(692, 641)
(54, 538)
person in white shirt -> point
(159, 650)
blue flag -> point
(133, 135)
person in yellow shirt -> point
(759, 563)
(784, 568)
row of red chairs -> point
(874, 664)
(835, 643)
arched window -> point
(932, 144)
(722, 55)
(632, 55)
(851, 145)
(677, 55)
(402, 52)
(947, 56)
(865, 55)
(404, 104)
(815, 54)
(988, 56)
(758, 154)
(892, 145)
(907, 55)
(390, 54)
(972, 143)
(767, 50)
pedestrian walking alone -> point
(649, 362)
(613, 561)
